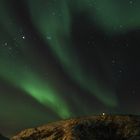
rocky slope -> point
(102, 127)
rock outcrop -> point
(102, 127)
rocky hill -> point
(102, 127)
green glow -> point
(15, 69)
(113, 16)
(46, 95)
(34, 86)
(23, 67)
(57, 28)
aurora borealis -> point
(61, 59)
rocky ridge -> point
(101, 127)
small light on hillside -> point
(104, 114)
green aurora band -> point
(15, 69)
(52, 18)
(54, 24)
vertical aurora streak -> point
(56, 23)
(15, 69)
(64, 58)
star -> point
(121, 26)
(5, 44)
(23, 37)
(113, 61)
(49, 37)
(131, 2)
(53, 13)
(120, 71)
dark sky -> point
(67, 58)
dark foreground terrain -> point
(3, 138)
(102, 127)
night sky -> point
(66, 58)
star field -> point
(62, 59)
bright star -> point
(23, 37)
